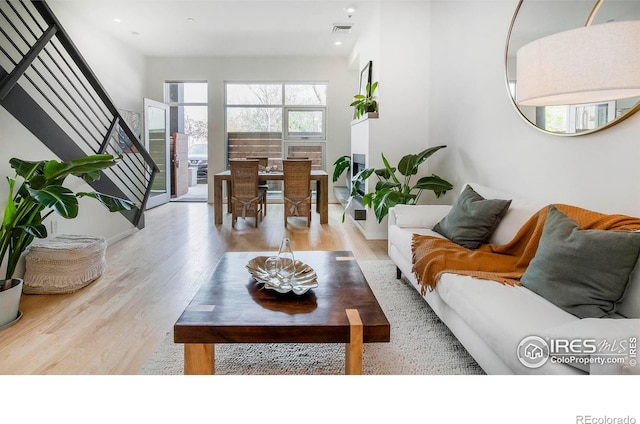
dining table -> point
(322, 191)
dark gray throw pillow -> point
(584, 272)
(472, 219)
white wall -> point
(489, 143)
(440, 65)
(109, 62)
(367, 46)
(119, 68)
(404, 78)
(216, 70)
(397, 41)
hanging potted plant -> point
(366, 102)
(39, 194)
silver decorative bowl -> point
(303, 280)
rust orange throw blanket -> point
(433, 256)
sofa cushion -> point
(519, 212)
(503, 316)
(472, 219)
(523, 208)
(402, 238)
(419, 216)
(584, 272)
(630, 305)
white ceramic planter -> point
(10, 292)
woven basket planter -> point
(64, 264)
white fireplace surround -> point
(365, 136)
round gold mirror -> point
(573, 67)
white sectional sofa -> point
(491, 320)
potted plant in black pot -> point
(35, 192)
(366, 102)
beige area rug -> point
(420, 343)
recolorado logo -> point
(590, 419)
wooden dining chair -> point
(263, 162)
(246, 197)
(297, 190)
(313, 186)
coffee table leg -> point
(199, 359)
(353, 349)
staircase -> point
(48, 87)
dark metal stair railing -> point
(49, 87)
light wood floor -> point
(114, 324)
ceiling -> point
(225, 27)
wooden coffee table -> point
(233, 308)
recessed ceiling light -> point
(350, 10)
(338, 43)
(116, 20)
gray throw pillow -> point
(472, 219)
(584, 272)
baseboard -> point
(122, 235)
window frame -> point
(285, 139)
(167, 98)
(285, 122)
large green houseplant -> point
(41, 193)
(392, 190)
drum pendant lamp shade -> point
(591, 64)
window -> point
(575, 118)
(254, 94)
(304, 123)
(277, 120)
(188, 107)
(306, 94)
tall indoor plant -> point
(391, 190)
(35, 192)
